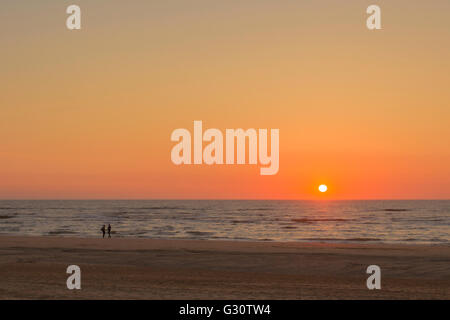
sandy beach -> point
(122, 268)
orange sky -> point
(89, 113)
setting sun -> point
(323, 188)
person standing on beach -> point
(109, 231)
(103, 230)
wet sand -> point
(122, 268)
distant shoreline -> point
(330, 242)
(143, 242)
(126, 268)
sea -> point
(378, 221)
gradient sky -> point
(89, 113)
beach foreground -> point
(123, 268)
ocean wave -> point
(401, 219)
(409, 239)
(311, 220)
(60, 232)
(200, 233)
(137, 233)
(343, 239)
(242, 221)
(160, 208)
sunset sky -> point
(89, 113)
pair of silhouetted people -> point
(103, 229)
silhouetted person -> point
(109, 231)
(103, 230)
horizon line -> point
(220, 199)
